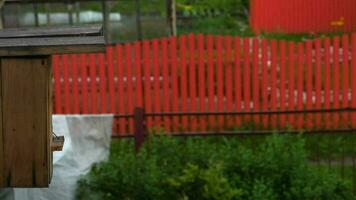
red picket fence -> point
(205, 73)
(303, 16)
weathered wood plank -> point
(25, 121)
(65, 31)
(2, 155)
(51, 45)
(49, 125)
(48, 1)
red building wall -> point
(303, 16)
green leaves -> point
(275, 167)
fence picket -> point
(147, 80)
(211, 80)
(327, 75)
(237, 75)
(93, 90)
(111, 80)
(228, 79)
(212, 73)
(183, 78)
(336, 82)
(353, 71)
(165, 81)
(274, 85)
(264, 81)
(318, 73)
(102, 79)
(291, 81)
(192, 82)
(75, 93)
(246, 78)
(121, 93)
(129, 84)
(309, 83)
(219, 78)
(84, 83)
(138, 74)
(255, 80)
(282, 75)
(67, 102)
(57, 86)
(345, 77)
(300, 89)
(201, 79)
(156, 82)
(174, 74)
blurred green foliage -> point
(275, 167)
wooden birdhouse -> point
(26, 140)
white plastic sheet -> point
(87, 141)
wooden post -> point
(70, 13)
(139, 117)
(77, 11)
(1, 13)
(172, 17)
(138, 19)
(48, 14)
(106, 20)
(35, 11)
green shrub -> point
(211, 168)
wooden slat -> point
(318, 73)
(211, 80)
(47, 1)
(353, 82)
(264, 85)
(166, 80)
(84, 83)
(50, 45)
(219, 79)
(327, 81)
(64, 31)
(157, 107)
(282, 75)
(192, 80)
(67, 96)
(103, 91)
(255, 80)
(23, 125)
(291, 80)
(228, 78)
(2, 153)
(201, 80)
(93, 84)
(120, 77)
(57, 85)
(336, 79)
(345, 77)
(309, 82)
(110, 75)
(183, 78)
(246, 77)
(147, 79)
(274, 86)
(129, 84)
(174, 69)
(75, 83)
(237, 76)
(300, 79)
